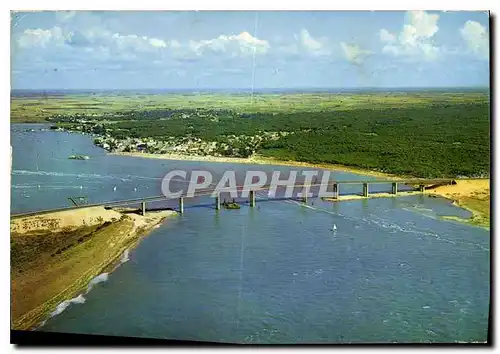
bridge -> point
(421, 183)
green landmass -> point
(51, 263)
(424, 134)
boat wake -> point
(35, 186)
(394, 227)
(62, 174)
(387, 224)
(123, 178)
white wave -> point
(124, 258)
(80, 299)
(64, 305)
(99, 279)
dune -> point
(55, 256)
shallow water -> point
(393, 271)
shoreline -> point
(260, 160)
(477, 218)
(343, 198)
(476, 200)
(458, 197)
(100, 252)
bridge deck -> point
(209, 191)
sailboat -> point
(334, 228)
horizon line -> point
(255, 89)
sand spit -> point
(472, 195)
(370, 196)
(257, 160)
(55, 256)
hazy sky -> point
(123, 50)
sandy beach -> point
(371, 196)
(258, 160)
(472, 195)
(64, 220)
(55, 256)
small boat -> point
(334, 228)
(114, 188)
(78, 157)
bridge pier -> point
(422, 188)
(336, 191)
(395, 188)
(252, 198)
(217, 201)
(365, 189)
(181, 205)
(143, 208)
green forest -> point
(425, 142)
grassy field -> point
(37, 109)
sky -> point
(260, 50)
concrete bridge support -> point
(422, 188)
(143, 208)
(252, 198)
(181, 205)
(336, 191)
(217, 201)
(395, 188)
(365, 189)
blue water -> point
(393, 271)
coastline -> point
(43, 278)
(459, 194)
(342, 198)
(477, 219)
(132, 228)
(260, 160)
(472, 195)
